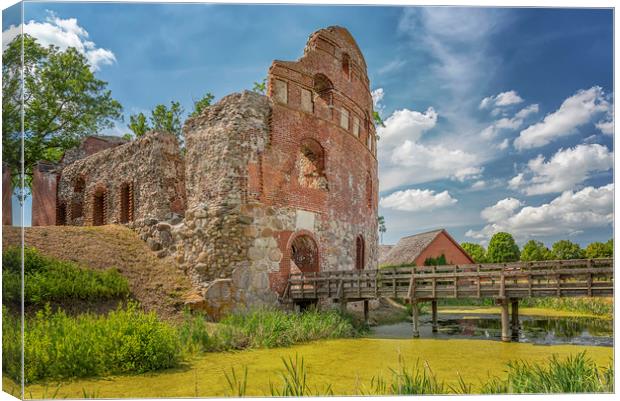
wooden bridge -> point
(504, 282)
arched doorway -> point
(305, 253)
(99, 207)
(359, 253)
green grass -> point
(595, 306)
(269, 328)
(51, 280)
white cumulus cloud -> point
(63, 33)
(568, 214)
(501, 100)
(577, 110)
(415, 200)
(564, 170)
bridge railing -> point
(582, 277)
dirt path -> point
(156, 283)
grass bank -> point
(50, 280)
(599, 307)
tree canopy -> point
(600, 250)
(565, 249)
(475, 251)
(502, 248)
(535, 251)
(63, 102)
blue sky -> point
(496, 118)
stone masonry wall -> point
(140, 182)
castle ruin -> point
(268, 185)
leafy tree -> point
(535, 250)
(502, 248)
(382, 227)
(162, 119)
(63, 102)
(475, 251)
(565, 249)
(600, 250)
(168, 119)
(260, 87)
(201, 104)
(138, 124)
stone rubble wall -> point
(151, 165)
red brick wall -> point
(7, 192)
(350, 165)
(443, 245)
(44, 183)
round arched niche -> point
(305, 253)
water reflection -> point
(532, 329)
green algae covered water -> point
(347, 365)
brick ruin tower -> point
(284, 182)
(269, 185)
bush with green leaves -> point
(475, 251)
(502, 248)
(535, 251)
(437, 261)
(50, 280)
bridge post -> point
(505, 320)
(366, 312)
(515, 317)
(415, 312)
(434, 311)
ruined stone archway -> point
(305, 253)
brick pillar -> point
(44, 183)
(7, 196)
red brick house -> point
(415, 249)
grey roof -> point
(409, 248)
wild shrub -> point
(60, 346)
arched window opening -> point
(61, 214)
(126, 203)
(324, 88)
(346, 65)
(78, 198)
(359, 253)
(311, 165)
(305, 254)
(99, 198)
